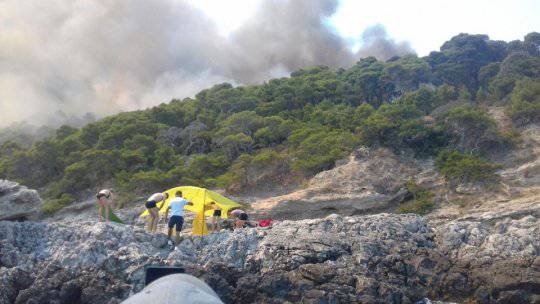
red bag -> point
(265, 223)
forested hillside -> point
(287, 129)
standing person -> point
(153, 209)
(241, 218)
(176, 205)
(104, 198)
(216, 216)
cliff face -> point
(368, 181)
(384, 258)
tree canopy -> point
(237, 137)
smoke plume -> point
(105, 56)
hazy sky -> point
(426, 24)
(106, 56)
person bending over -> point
(176, 207)
(241, 218)
(153, 209)
(104, 198)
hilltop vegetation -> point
(291, 128)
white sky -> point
(426, 24)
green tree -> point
(525, 102)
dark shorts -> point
(243, 217)
(176, 220)
(217, 213)
(151, 204)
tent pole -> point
(203, 222)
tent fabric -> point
(201, 198)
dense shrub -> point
(474, 130)
(421, 202)
(145, 182)
(317, 149)
(464, 168)
(525, 102)
(53, 205)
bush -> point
(417, 206)
(474, 130)
(399, 125)
(524, 107)
(318, 149)
(54, 205)
(146, 182)
(422, 202)
(463, 168)
(266, 167)
(124, 198)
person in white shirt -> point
(176, 206)
(104, 200)
(153, 209)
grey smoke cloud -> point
(105, 56)
(376, 42)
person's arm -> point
(167, 213)
(163, 203)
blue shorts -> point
(176, 220)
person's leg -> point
(152, 220)
(212, 224)
(149, 224)
(170, 226)
(107, 210)
(156, 219)
(177, 238)
(151, 217)
(169, 233)
(179, 225)
(100, 212)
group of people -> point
(175, 209)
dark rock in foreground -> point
(372, 259)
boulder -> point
(18, 202)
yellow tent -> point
(201, 198)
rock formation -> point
(18, 202)
(368, 181)
(380, 258)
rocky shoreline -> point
(383, 258)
